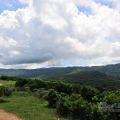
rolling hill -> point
(107, 76)
(111, 70)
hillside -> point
(108, 75)
(112, 70)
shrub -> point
(63, 87)
(20, 83)
(111, 97)
(88, 93)
(3, 77)
(97, 114)
(2, 100)
(52, 98)
(36, 84)
(7, 78)
(42, 93)
(5, 91)
(64, 106)
(81, 109)
(74, 106)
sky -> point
(48, 33)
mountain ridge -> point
(105, 76)
(112, 69)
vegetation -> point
(108, 76)
(37, 99)
(5, 91)
(28, 107)
(73, 103)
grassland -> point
(7, 83)
(26, 106)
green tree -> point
(88, 92)
(52, 98)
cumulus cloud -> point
(59, 33)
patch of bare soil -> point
(7, 116)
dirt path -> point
(7, 116)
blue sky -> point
(88, 11)
(108, 3)
(84, 9)
(11, 5)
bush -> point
(2, 100)
(88, 93)
(74, 106)
(42, 93)
(64, 106)
(81, 109)
(4, 77)
(20, 83)
(111, 97)
(52, 98)
(36, 84)
(7, 78)
(63, 87)
(5, 91)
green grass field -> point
(7, 83)
(28, 107)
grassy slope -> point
(7, 83)
(28, 107)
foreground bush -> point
(76, 102)
(42, 94)
(52, 98)
(75, 107)
(5, 91)
(20, 83)
(2, 100)
(88, 93)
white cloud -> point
(7, 42)
(52, 32)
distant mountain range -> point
(107, 76)
(112, 70)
